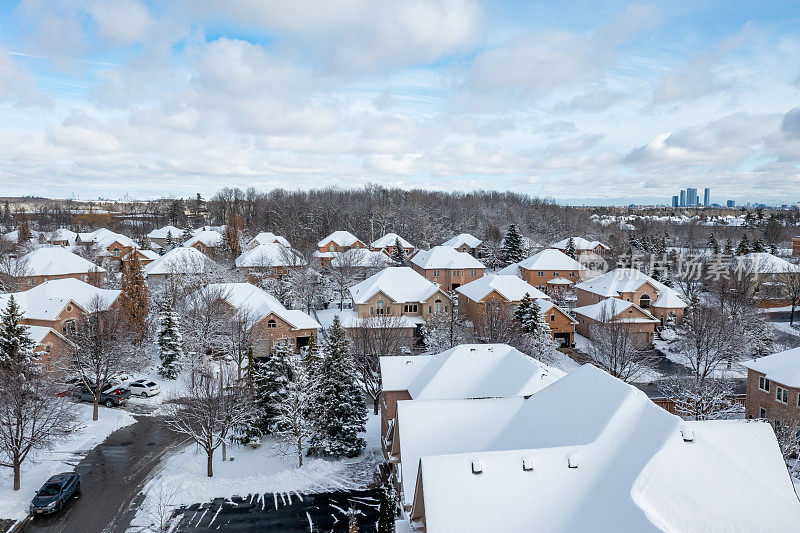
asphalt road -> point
(112, 477)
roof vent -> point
(527, 464)
(687, 433)
(477, 466)
(473, 350)
(572, 461)
(491, 349)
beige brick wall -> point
(757, 399)
(540, 282)
(446, 278)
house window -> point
(555, 273)
(379, 305)
(372, 310)
(331, 247)
(68, 327)
(436, 273)
(437, 305)
(644, 301)
(572, 274)
(540, 273)
(410, 308)
(115, 252)
(84, 277)
(271, 323)
(798, 400)
(781, 394)
(553, 317)
(762, 413)
(47, 348)
(473, 272)
(763, 383)
(456, 273)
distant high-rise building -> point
(707, 197)
(731, 203)
(683, 198)
(675, 201)
(691, 196)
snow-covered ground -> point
(786, 328)
(325, 316)
(669, 349)
(61, 458)
(182, 480)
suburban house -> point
(387, 243)
(447, 266)
(110, 247)
(336, 243)
(364, 261)
(582, 247)
(547, 270)
(267, 237)
(145, 257)
(50, 347)
(641, 323)
(267, 260)
(49, 263)
(63, 237)
(271, 322)
(631, 285)
(773, 388)
(181, 261)
(586, 453)
(159, 235)
(767, 272)
(207, 241)
(465, 371)
(464, 242)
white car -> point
(143, 388)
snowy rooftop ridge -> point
(266, 255)
(181, 260)
(609, 308)
(161, 233)
(339, 238)
(389, 239)
(401, 284)
(550, 259)
(509, 287)
(445, 257)
(208, 238)
(580, 244)
(623, 280)
(462, 239)
(267, 237)
(782, 367)
(56, 261)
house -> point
(49, 263)
(271, 260)
(267, 237)
(641, 323)
(50, 347)
(767, 272)
(360, 258)
(447, 266)
(795, 246)
(631, 285)
(583, 247)
(773, 388)
(386, 244)
(547, 270)
(181, 261)
(271, 322)
(586, 453)
(207, 241)
(110, 247)
(336, 242)
(159, 235)
(465, 371)
(145, 257)
(63, 237)
(464, 242)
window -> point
(555, 273)
(540, 273)
(68, 327)
(473, 272)
(331, 247)
(115, 252)
(644, 301)
(798, 400)
(47, 348)
(781, 394)
(271, 323)
(553, 317)
(436, 273)
(84, 278)
(410, 308)
(379, 305)
(437, 305)
(572, 274)
(763, 383)
(456, 273)
(762, 413)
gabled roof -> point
(267, 237)
(181, 260)
(38, 333)
(208, 238)
(360, 257)
(782, 367)
(63, 234)
(546, 305)
(389, 239)
(339, 238)
(461, 239)
(401, 284)
(550, 259)
(445, 257)
(148, 254)
(161, 233)
(609, 308)
(624, 280)
(47, 300)
(266, 255)
(56, 261)
(580, 244)
(509, 287)
(620, 463)
(103, 238)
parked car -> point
(55, 492)
(110, 395)
(143, 388)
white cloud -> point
(120, 21)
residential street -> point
(112, 476)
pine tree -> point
(513, 246)
(270, 376)
(16, 346)
(540, 343)
(758, 246)
(186, 235)
(169, 242)
(744, 246)
(570, 250)
(398, 253)
(6, 213)
(170, 342)
(713, 244)
(387, 508)
(341, 413)
(526, 312)
(135, 298)
(728, 250)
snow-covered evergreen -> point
(513, 246)
(570, 249)
(170, 342)
(270, 377)
(398, 253)
(16, 345)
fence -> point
(669, 405)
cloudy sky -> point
(594, 102)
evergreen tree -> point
(758, 246)
(270, 378)
(398, 253)
(744, 246)
(773, 249)
(713, 244)
(186, 235)
(526, 313)
(570, 250)
(513, 246)
(143, 241)
(135, 298)
(341, 413)
(728, 250)
(7, 214)
(387, 508)
(16, 346)
(539, 342)
(169, 242)
(170, 342)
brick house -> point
(469, 244)
(267, 237)
(546, 269)
(159, 235)
(50, 348)
(631, 285)
(336, 243)
(641, 323)
(773, 388)
(386, 245)
(583, 247)
(207, 241)
(447, 267)
(271, 260)
(768, 272)
(51, 263)
(109, 247)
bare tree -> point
(790, 281)
(161, 508)
(788, 436)
(344, 270)
(710, 399)
(207, 409)
(13, 270)
(306, 287)
(496, 324)
(294, 421)
(613, 348)
(446, 328)
(206, 319)
(239, 336)
(708, 338)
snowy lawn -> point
(786, 328)
(61, 458)
(669, 349)
(325, 316)
(182, 478)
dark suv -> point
(110, 395)
(55, 492)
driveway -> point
(112, 477)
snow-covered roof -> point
(467, 371)
(47, 300)
(389, 239)
(63, 234)
(208, 238)
(589, 453)
(56, 261)
(267, 237)
(161, 233)
(765, 263)
(509, 287)
(266, 255)
(401, 284)
(462, 239)
(148, 254)
(510, 270)
(782, 367)
(546, 305)
(38, 333)
(181, 260)
(339, 238)
(360, 257)
(625, 280)
(445, 257)
(559, 281)
(259, 303)
(580, 244)
(609, 308)
(103, 238)
(550, 259)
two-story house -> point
(336, 243)
(447, 267)
(773, 388)
(464, 242)
(207, 241)
(547, 270)
(271, 260)
(109, 247)
(267, 237)
(45, 264)
(386, 244)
